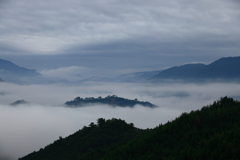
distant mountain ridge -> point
(181, 72)
(224, 69)
(19, 102)
(13, 73)
(11, 68)
(221, 70)
(136, 76)
(10, 72)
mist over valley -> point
(44, 118)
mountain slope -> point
(16, 74)
(19, 102)
(224, 69)
(210, 133)
(181, 72)
(91, 142)
(8, 67)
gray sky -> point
(124, 35)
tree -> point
(100, 122)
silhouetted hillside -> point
(13, 73)
(18, 102)
(224, 69)
(89, 143)
(209, 133)
(187, 71)
(8, 67)
(20, 75)
(109, 100)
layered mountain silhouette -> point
(19, 102)
(224, 69)
(7, 67)
(209, 133)
(136, 76)
(109, 100)
(11, 72)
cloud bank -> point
(44, 119)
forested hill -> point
(209, 133)
(109, 100)
(90, 143)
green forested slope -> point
(91, 142)
(210, 133)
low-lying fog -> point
(32, 126)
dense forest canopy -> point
(109, 100)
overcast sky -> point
(126, 35)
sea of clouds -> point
(29, 127)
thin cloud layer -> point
(69, 73)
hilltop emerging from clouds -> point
(113, 101)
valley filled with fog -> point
(31, 126)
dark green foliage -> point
(210, 133)
(109, 100)
(90, 142)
